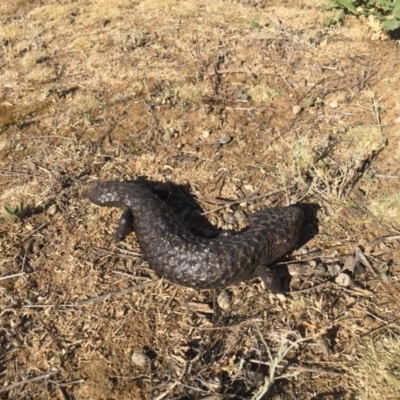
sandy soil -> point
(232, 100)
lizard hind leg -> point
(270, 278)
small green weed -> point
(255, 22)
(14, 212)
(386, 11)
(51, 90)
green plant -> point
(386, 11)
(274, 361)
(255, 22)
(14, 212)
(51, 90)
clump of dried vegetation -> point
(245, 104)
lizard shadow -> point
(188, 211)
(184, 205)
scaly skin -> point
(182, 257)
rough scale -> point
(182, 257)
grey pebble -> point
(240, 216)
(334, 269)
(229, 218)
(225, 138)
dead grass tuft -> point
(364, 140)
(262, 93)
(378, 366)
(190, 93)
(386, 209)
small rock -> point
(312, 263)
(229, 218)
(205, 134)
(241, 94)
(296, 109)
(334, 269)
(20, 147)
(139, 358)
(303, 251)
(320, 269)
(324, 142)
(281, 297)
(225, 138)
(334, 104)
(240, 216)
(224, 300)
(343, 280)
(52, 209)
(397, 120)
(297, 269)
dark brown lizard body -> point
(177, 254)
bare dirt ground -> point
(233, 100)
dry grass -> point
(378, 366)
(121, 89)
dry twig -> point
(29, 380)
(117, 293)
